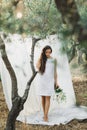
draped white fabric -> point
(18, 51)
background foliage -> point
(33, 17)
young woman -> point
(47, 68)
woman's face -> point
(48, 52)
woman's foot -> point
(45, 118)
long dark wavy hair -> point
(43, 59)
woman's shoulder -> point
(54, 58)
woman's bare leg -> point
(43, 103)
(47, 105)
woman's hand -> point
(57, 85)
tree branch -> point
(34, 40)
(9, 68)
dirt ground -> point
(80, 87)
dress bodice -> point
(49, 68)
(50, 60)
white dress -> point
(46, 81)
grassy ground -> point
(80, 87)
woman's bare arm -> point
(55, 72)
(38, 64)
